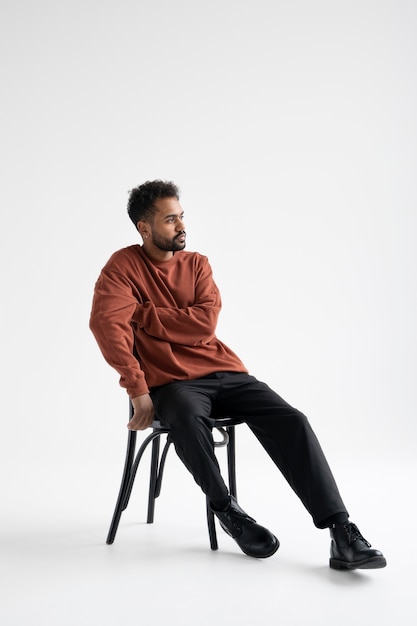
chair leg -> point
(211, 526)
(121, 500)
(231, 468)
(153, 479)
(156, 475)
(231, 461)
(161, 467)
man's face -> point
(166, 230)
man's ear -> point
(143, 228)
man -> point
(161, 303)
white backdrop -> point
(290, 128)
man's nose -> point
(180, 225)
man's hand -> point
(143, 413)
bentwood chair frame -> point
(226, 427)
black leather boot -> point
(253, 539)
(349, 550)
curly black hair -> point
(141, 199)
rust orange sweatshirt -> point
(166, 312)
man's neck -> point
(156, 254)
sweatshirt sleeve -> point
(114, 304)
(190, 326)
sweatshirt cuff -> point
(140, 389)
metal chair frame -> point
(226, 427)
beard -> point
(168, 245)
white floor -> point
(57, 570)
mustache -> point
(180, 234)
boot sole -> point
(375, 562)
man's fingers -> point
(140, 422)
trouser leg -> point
(186, 409)
(287, 436)
(283, 431)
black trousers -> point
(188, 407)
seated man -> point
(162, 303)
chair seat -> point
(219, 422)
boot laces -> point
(354, 534)
(236, 515)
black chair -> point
(226, 427)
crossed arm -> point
(117, 304)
